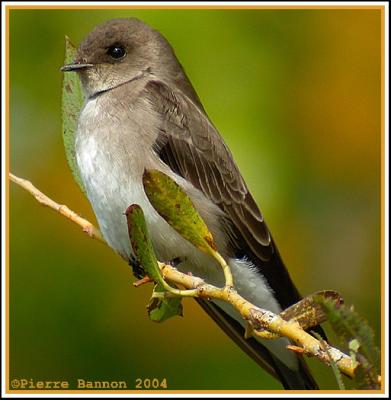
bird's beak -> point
(75, 66)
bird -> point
(141, 113)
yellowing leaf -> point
(174, 205)
(308, 312)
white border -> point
(198, 3)
(386, 199)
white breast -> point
(111, 161)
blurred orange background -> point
(296, 94)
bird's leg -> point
(174, 262)
(138, 270)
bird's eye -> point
(117, 51)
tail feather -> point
(291, 380)
(295, 380)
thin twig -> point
(88, 228)
(142, 281)
(265, 324)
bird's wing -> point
(192, 147)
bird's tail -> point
(300, 379)
(295, 380)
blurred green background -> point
(296, 94)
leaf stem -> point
(229, 282)
(178, 292)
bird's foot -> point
(175, 261)
(138, 270)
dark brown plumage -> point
(191, 146)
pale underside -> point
(112, 153)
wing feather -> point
(194, 148)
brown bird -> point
(141, 112)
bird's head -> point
(119, 51)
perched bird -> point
(141, 112)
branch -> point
(87, 227)
(264, 324)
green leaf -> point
(161, 306)
(72, 102)
(308, 312)
(174, 205)
(141, 242)
(354, 332)
(365, 375)
(349, 325)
